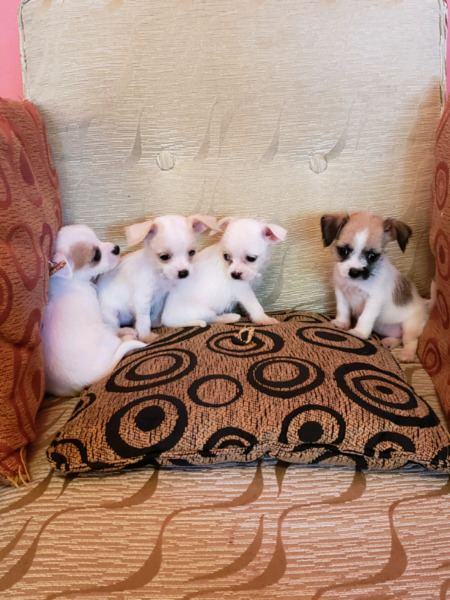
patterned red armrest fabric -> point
(30, 216)
(434, 345)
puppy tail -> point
(126, 347)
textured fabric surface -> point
(278, 113)
(434, 346)
(299, 391)
(30, 215)
(246, 532)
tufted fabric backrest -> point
(277, 110)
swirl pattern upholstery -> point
(434, 346)
(299, 392)
(30, 216)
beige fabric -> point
(241, 532)
(275, 110)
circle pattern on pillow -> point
(300, 391)
(335, 339)
(384, 394)
(215, 390)
(312, 424)
(152, 369)
(157, 423)
(262, 342)
(285, 377)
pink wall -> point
(10, 77)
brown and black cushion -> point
(300, 391)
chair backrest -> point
(277, 110)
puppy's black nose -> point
(236, 275)
(116, 250)
(183, 274)
(355, 273)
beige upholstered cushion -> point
(299, 391)
(277, 110)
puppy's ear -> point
(397, 230)
(331, 225)
(139, 231)
(223, 223)
(61, 270)
(202, 222)
(273, 234)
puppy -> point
(78, 347)
(368, 287)
(135, 291)
(222, 276)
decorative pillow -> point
(434, 345)
(30, 215)
(300, 391)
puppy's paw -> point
(228, 318)
(127, 332)
(198, 323)
(267, 321)
(193, 323)
(390, 342)
(340, 324)
(151, 337)
(407, 355)
(127, 338)
(358, 333)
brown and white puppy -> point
(79, 347)
(368, 287)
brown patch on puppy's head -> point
(359, 245)
(359, 241)
(380, 231)
(363, 221)
(83, 254)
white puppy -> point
(78, 347)
(368, 287)
(135, 291)
(222, 276)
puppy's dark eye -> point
(343, 251)
(97, 255)
(164, 257)
(251, 258)
(372, 256)
(227, 257)
(191, 252)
